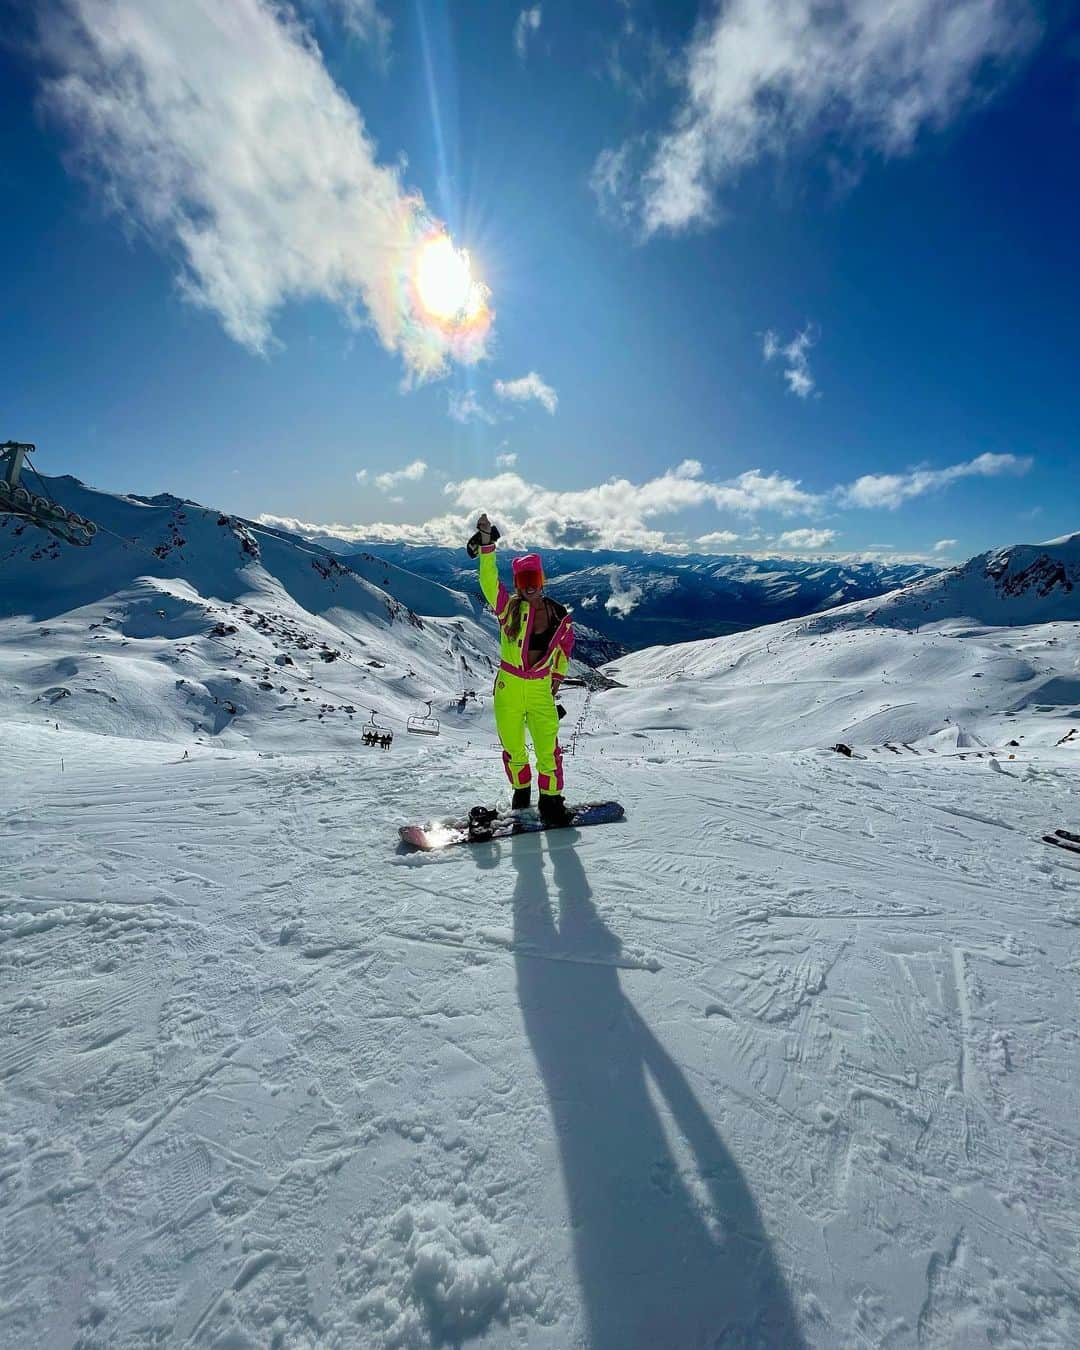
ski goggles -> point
(528, 572)
(526, 578)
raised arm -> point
(495, 593)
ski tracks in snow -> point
(264, 1079)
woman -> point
(537, 638)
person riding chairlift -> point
(536, 639)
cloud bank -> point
(620, 514)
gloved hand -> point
(486, 534)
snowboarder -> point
(537, 638)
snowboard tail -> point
(502, 825)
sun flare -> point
(444, 280)
(446, 304)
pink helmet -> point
(528, 571)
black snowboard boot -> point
(521, 798)
(553, 811)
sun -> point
(444, 280)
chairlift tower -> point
(40, 510)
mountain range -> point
(635, 599)
(179, 619)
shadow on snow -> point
(658, 1265)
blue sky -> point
(749, 277)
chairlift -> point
(423, 725)
(19, 502)
(374, 734)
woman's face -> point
(529, 583)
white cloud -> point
(800, 539)
(716, 542)
(411, 473)
(528, 22)
(797, 365)
(466, 407)
(610, 180)
(364, 20)
(891, 490)
(616, 514)
(361, 475)
(765, 77)
(638, 62)
(530, 386)
(506, 460)
(219, 131)
(943, 544)
(620, 514)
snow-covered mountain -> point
(181, 620)
(984, 653)
(653, 599)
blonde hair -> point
(512, 625)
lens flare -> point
(445, 306)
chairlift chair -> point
(423, 725)
(374, 734)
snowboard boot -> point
(521, 798)
(553, 811)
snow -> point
(788, 1058)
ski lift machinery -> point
(38, 509)
(423, 724)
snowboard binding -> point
(480, 819)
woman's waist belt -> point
(537, 672)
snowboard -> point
(483, 827)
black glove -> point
(475, 544)
(560, 710)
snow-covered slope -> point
(787, 1059)
(983, 654)
(180, 621)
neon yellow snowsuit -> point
(525, 695)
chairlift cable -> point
(102, 529)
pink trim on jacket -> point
(533, 673)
